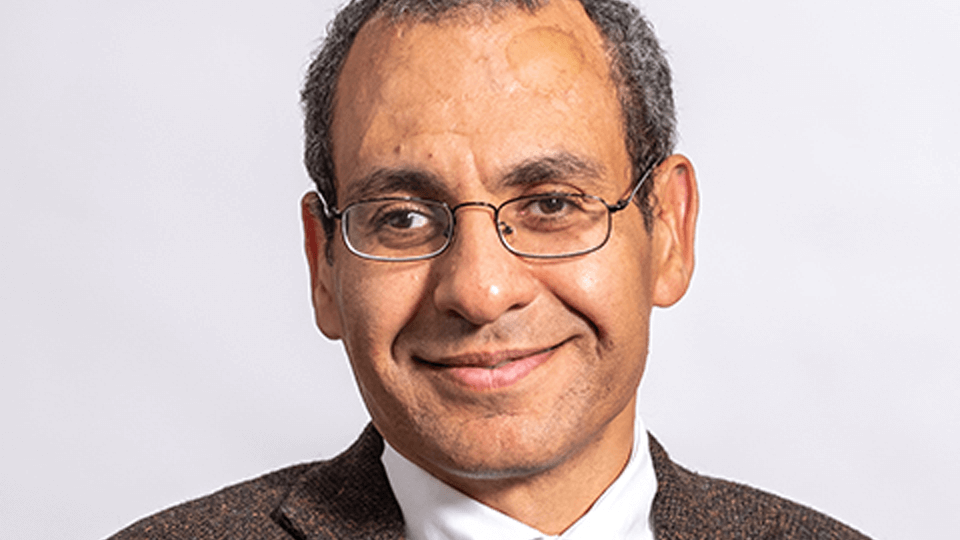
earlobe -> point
(325, 307)
(675, 223)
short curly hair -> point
(638, 66)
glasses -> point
(550, 225)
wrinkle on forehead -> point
(457, 80)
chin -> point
(498, 450)
(503, 466)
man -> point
(498, 212)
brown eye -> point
(402, 220)
(552, 205)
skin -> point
(461, 106)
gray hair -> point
(638, 67)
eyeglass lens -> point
(551, 224)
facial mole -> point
(545, 59)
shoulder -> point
(690, 505)
(237, 511)
(349, 491)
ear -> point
(325, 308)
(675, 222)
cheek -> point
(610, 289)
(376, 301)
(588, 282)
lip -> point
(491, 371)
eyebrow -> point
(384, 182)
(560, 165)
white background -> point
(157, 340)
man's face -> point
(479, 363)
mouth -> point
(490, 371)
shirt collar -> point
(432, 510)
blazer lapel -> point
(347, 497)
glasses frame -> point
(335, 214)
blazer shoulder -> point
(241, 510)
(689, 505)
(347, 496)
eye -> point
(402, 224)
(402, 219)
(399, 216)
(547, 212)
(396, 227)
(552, 205)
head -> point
(637, 65)
(480, 365)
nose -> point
(477, 278)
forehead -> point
(475, 93)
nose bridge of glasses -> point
(474, 204)
(477, 205)
(500, 228)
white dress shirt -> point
(432, 510)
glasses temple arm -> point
(622, 203)
(330, 214)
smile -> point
(491, 371)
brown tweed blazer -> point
(349, 497)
